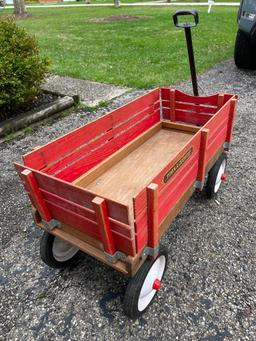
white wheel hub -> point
(219, 175)
(147, 291)
(63, 251)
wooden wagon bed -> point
(113, 186)
(126, 178)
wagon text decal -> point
(177, 165)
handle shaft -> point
(191, 60)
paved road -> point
(209, 289)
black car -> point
(245, 46)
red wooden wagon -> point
(112, 187)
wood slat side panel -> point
(216, 141)
(183, 97)
(54, 150)
(135, 106)
(92, 146)
(217, 126)
(73, 219)
(188, 116)
(84, 164)
(76, 194)
(142, 238)
(173, 188)
(122, 243)
(170, 197)
(191, 107)
(86, 213)
(70, 205)
(63, 145)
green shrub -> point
(22, 70)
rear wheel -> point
(144, 286)
(216, 176)
(245, 52)
(56, 252)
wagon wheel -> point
(57, 253)
(216, 176)
(144, 286)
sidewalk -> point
(90, 93)
(153, 3)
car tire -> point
(245, 52)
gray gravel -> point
(209, 289)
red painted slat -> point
(187, 116)
(140, 221)
(169, 198)
(216, 141)
(76, 194)
(139, 203)
(74, 220)
(141, 238)
(136, 106)
(60, 147)
(123, 243)
(70, 205)
(92, 146)
(183, 97)
(51, 151)
(84, 164)
(192, 107)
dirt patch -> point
(114, 18)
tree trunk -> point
(116, 3)
(19, 8)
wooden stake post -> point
(231, 120)
(100, 209)
(153, 212)
(32, 186)
(202, 158)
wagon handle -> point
(187, 26)
(192, 13)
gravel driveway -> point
(209, 288)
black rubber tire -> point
(133, 289)
(212, 176)
(47, 257)
(245, 52)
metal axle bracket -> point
(199, 185)
(149, 251)
(227, 145)
(51, 224)
(115, 257)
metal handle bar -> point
(192, 13)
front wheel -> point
(216, 176)
(144, 286)
(57, 253)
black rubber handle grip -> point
(193, 13)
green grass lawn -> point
(141, 53)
